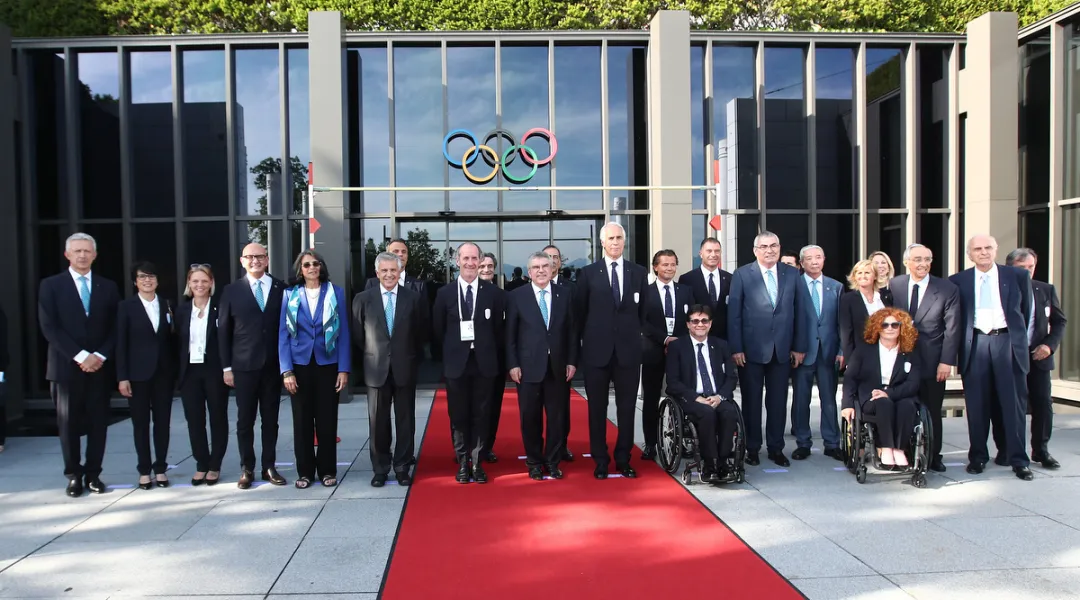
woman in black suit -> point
(202, 388)
(144, 366)
(883, 377)
(863, 300)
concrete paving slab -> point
(1008, 584)
(797, 550)
(255, 520)
(358, 486)
(343, 518)
(1025, 542)
(925, 546)
(872, 587)
(309, 571)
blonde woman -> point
(863, 300)
(883, 268)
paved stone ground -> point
(963, 537)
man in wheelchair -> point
(701, 377)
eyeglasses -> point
(254, 257)
(539, 267)
(313, 263)
(700, 321)
(920, 260)
(768, 247)
(199, 266)
(893, 325)
(145, 276)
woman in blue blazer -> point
(313, 349)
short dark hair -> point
(710, 240)
(794, 255)
(397, 240)
(699, 308)
(298, 267)
(661, 253)
(145, 266)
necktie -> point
(913, 306)
(84, 293)
(616, 292)
(669, 307)
(770, 286)
(389, 310)
(707, 388)
(712, 288)
(544, 308)
(816, 297)
(259, 297)
(984, 292)
(468, 303)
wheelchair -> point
(857, 442)
(678, 440)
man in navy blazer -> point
(761, 332)
(817, 328)
(711, 285)
(609, 297)
(77, 314)
(995, 304)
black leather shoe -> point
(403, 478)
(378, 480)
(1047, 461)
(800, 454)
(270, 474)
(246, 479)
(752, 459)
(74, 487)
(937, 466)
(567, 455)
(627, 471)
(1000, 460)
(555, 471)
(479, 474)
(835, 453)
(648, 453)
(780, 459)
(491, 458)
(600, 472)
(463, 473)
(95, 485)
(1023, 473)
(975, 468)
(536, 473)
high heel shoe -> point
(162, 483)
(145, 485)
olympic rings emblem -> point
(481, 147)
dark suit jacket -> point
(607, 330)
(755, 327)
(1049, 322)
(863, 376)
(381, 351)
(938, 320)
(652, 343)
(1015, 292)
(5, 356)
(530, 345)
(700, 288)
(682, 368)
(212, 356)
(853, 317)
(820, 335)
(247, 336)
(67, 327)
(139, 349)
(489, 308)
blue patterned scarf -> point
(329, 314)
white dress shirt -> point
(708, 365)
(620, 268)
(820, 287)
(267, 283)
(765, 278)
(401, 277)
(991, 317)
(382, 294)
(197, 333)
(716, 280)
(463, 289)
(874, 305)
(546, 299)
(153, 311)
(888, 362)
(83, 354)
(922, 285)
(312, 301)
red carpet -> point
(575, 538)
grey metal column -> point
(9, 229)
(329, 152)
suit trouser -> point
(257, 392)
(202, 392)
(597, 382)
(932, 396)
(468, 400)
(82, 407)
(994, 377)
(773, 377)
(715, 427)
(151, 400)
(382, 431)
(894, 420)
(652, 381)
(535, 401)
(1041, 405)
(498, 389)
(802, 380)
(315, 412)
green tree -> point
(257, 231)
(425, 260)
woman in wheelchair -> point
(883, 377)
(701, 376)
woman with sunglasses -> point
(202, 389)
(883, 377)
(313, 349)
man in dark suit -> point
(248, 321)
(388, 330)
(761, 331)
(541, 353)
(467, 322)
(77, 313)
(934, 306)
(557, 278)
(1046, 327)
(710, 285)
(666, 306)
(701, 377)
(995, 303)
(488, 266)
(817, 328)
(610, 297)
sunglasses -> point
(313, 263)
(700, 321)
(893, 325)
(199, 266)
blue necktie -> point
(703, 369)
(669, 308)
(816, 297)
(984, 292)
(259, 297)
(84, 293)
(770, 286)
(615, 291)
(544, 308)
(712, 289)
(389, 312)
(468, 315)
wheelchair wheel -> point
(847, 444)
(922, 442)
(669, 448)
(860, 473)
(918, 480)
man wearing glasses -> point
(248, 323)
